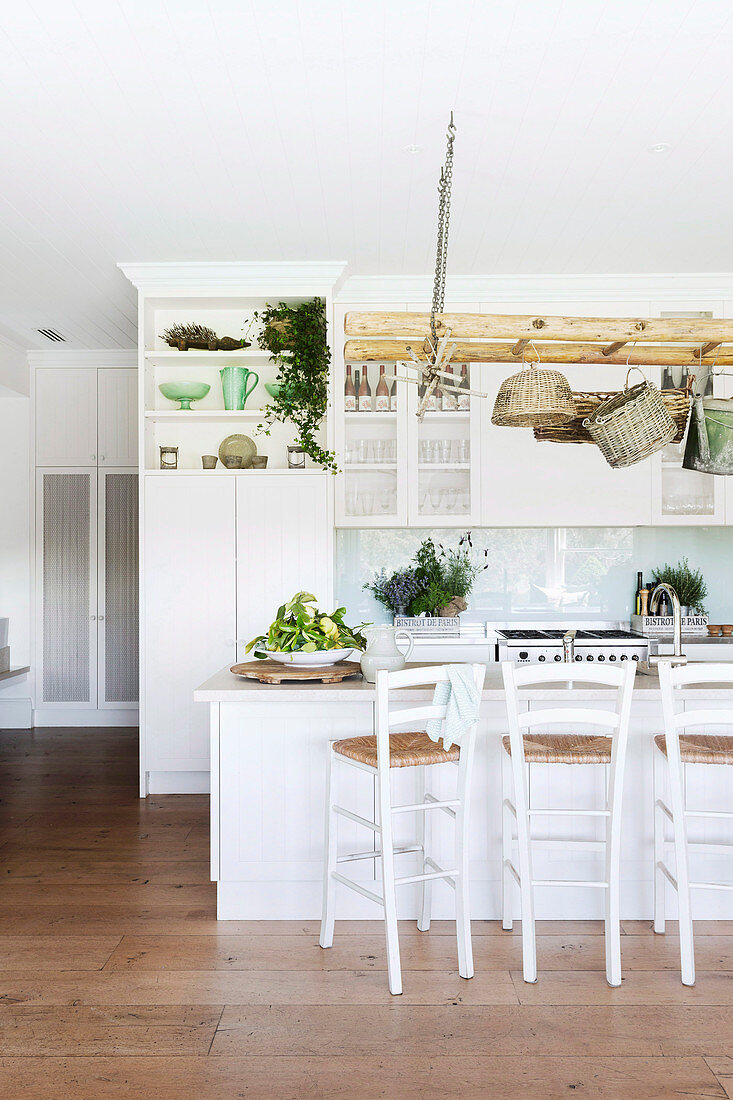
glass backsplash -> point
(534, 573)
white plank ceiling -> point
(276, 129)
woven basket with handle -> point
(532, 398)
(631, 425)
(678, 403)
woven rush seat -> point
(701, 748)
(564, 748)
(406, 750)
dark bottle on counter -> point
(365, 393)
(349, 391)
(637, 597)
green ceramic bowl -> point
(273, 388)
(185, 392)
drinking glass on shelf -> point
(450, 501)
(378, 451)
(367, 502)
(436, 499)
(464, 450)
(390, 450)
(436, 451)
(350, 500)
(424, 503)
(446, 451)
(424, 451)
(362, 450)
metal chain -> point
(441, 253)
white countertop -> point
(225, 687)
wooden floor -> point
(117, 981)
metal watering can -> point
(709, 448)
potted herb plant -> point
(295, 336)
(688, 584)
(436, 583)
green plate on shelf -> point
(238, 445)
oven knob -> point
(590, 657)
(635, 657)
(557, 657)
(523, 655)
(578, 657)
(541, 657)
(624, 656)
(601, 657)
(612, 657)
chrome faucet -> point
(678, 657)
(568, 646)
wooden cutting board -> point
(272, 672)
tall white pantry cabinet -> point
(219, 549)
(86, 538)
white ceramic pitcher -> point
(382, 652)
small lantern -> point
(169, 458)
(296, 458)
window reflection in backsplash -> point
(534, 573)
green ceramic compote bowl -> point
(185, 392)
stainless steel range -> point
(531, 646)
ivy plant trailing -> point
(295, 337)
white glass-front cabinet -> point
(86, 561)
(86, 416)
(397, 472)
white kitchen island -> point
(269, 751)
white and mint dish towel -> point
(459, 695)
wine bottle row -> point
(358, 395)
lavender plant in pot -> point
(436, 583)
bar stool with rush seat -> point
(377, 756)
(524, 749)
(680, 748)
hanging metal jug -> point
(709, 448)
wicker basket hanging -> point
(677, 402)
(631, 425)
(533, 398)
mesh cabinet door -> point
(67, 556)
(118, 595)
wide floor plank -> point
(637, 988)
(388, 1078)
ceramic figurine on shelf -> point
(201, 338)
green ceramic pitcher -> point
(235, 386)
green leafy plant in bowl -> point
(301, 634)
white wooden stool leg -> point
(331, 852)
(463, 908)
(677, 799)
(424, 824)
(507, 832)
(529, 943)
(660, 829)
(613, 872)
(388, 888)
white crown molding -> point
(83, 357)
(243, 278)
(677, 288)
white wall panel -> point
(190, 613)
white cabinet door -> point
(284, 545)
(66, 416)
(117, 416)
(189, 612)
(66, 556)
(526, 483)
(118, 589)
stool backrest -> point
(673, 678)
(613, 722)
(416, 716)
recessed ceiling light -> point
(413, 148)
(660, 147)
